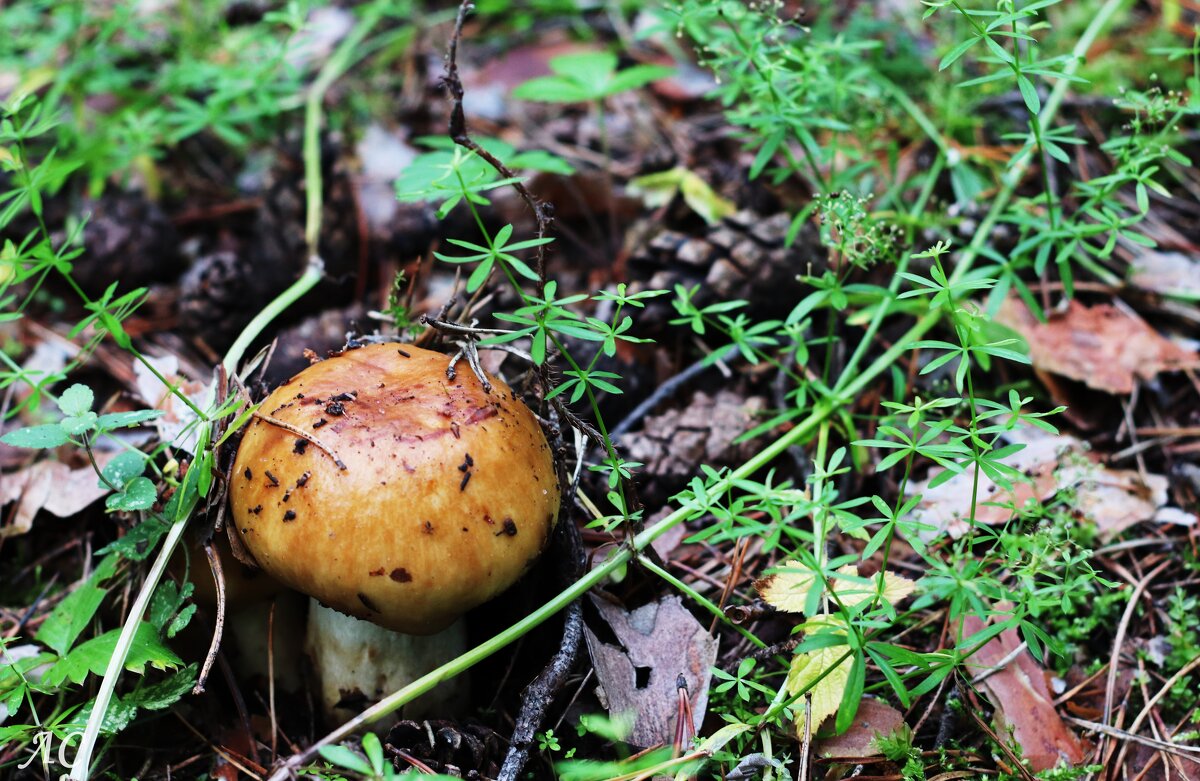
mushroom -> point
(263, 622)
(397, 499)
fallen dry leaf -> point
(1172, 274)
(874, 718)
(659, 643)
(51, 486)
(1104, 347)
(1113, 499)
(1024, 703)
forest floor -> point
(865, 341)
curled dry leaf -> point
(1102, 346)
(660, 642)
(875, 718)
(51, 486)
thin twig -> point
(303, 435)
(214, 564)
(1152, 701)
(1171, 748)
(538, 696)
(1114, 663)
(542, 212)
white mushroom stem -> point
(351, 656)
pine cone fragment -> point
(744, 257)
(674, 444)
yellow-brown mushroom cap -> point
(392, 493)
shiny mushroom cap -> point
(383, 489)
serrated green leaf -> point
(166, 692)
(67, 620)
(76, 400)
(180, 621)
(37, 437)
(125, 466)
(118, 716)
(140, 541)
(93, 655)
(139, 494)
(74, 425)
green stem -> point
(699, 598)
(311, 276)
(81, 766)
(347, 53)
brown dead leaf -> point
(1113, 499)
(660, 642)
(51, 486)
(874, 718)
(1024, 703)
(1104, 347)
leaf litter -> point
(1103, 346)
(1111, 499)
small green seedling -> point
(589, 77)
(79, 426)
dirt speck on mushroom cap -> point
(404, 435)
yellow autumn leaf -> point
(657, 189)
(853, 590)
(787, 590)
(825, 694)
